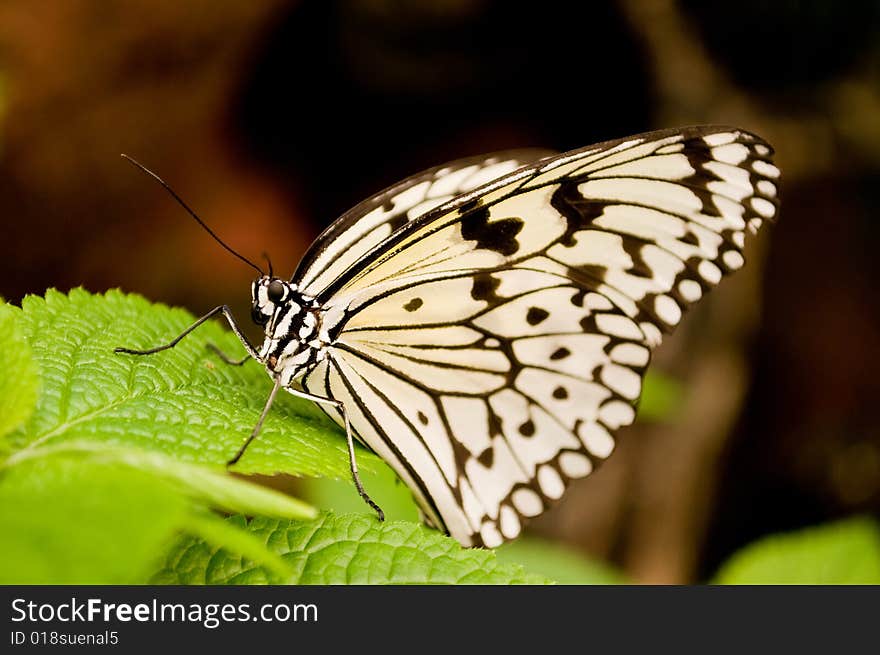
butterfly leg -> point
(226, 358)
(352, 462)
(259, 425)
(349, 435)
(222, 309)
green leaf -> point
(224, 534)
(183, 402)
(846, 552)
(343, 549)
(19, 381)
(110, 465)
(75, 521)
(199, 483)
(558, 563)
(392, 495)
(662, 396)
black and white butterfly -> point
(484, 326)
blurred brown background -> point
(272, 118)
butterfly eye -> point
(275, 291)
(258, 317)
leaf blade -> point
(558, 562)
(213, 487)
(183, 402)
(20, 381)
(345, 549)
(845, 552)
(62, 525)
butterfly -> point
(484, 326)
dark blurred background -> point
(272, 118)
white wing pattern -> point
(488, 348)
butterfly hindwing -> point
(489, 408)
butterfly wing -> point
(369, 223)
(488, 348)
(492, 393)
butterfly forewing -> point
(487, 348)
(369, 223)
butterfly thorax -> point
(294, 341)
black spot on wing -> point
(588, 324)
(579, 212)
(499, 235)
(396, 221)
(560, 353)
(560, 393)
(527, 429)
(485, 287)
(689, 238)
(535, 315)
(640, 267)
(413, 304)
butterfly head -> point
(290, 321)
(268, 296)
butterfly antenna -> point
(194, 215)
(268, 262)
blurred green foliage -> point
(845, 552)
(561, 564)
